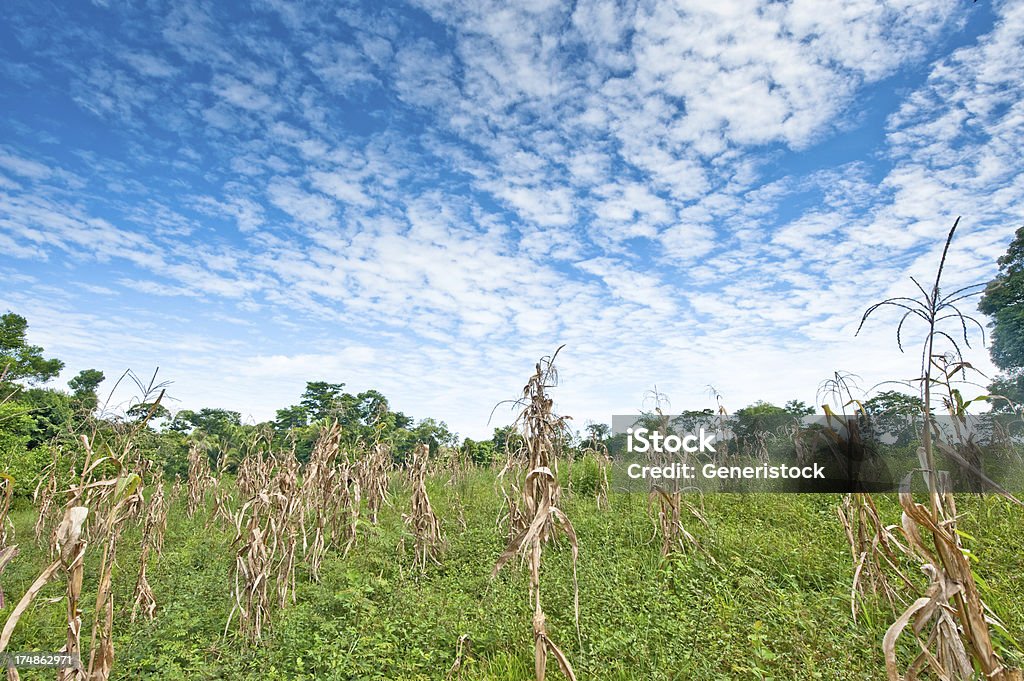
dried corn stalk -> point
(6, 536)
(44, 497)
(286, 526)
(317, 488)
(101, 646)
(373, 478)
(959, 639)
(7, 554)
(331, 494)
(253, 568)
(542, 433)
(875, 550)
(421, 520)
(152, 538)
(669, 504)
(71, 551)
(221, 507)
(267, 531)
(951, 611)
(200, 478)
(514, 517)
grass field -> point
(774, 603)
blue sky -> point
(424, 198)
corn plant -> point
(286, 526)
(374, 468)
(70, 550)
(543, 433)
(950, 622)
(253, 569)
(112, 500)
(200, 478)
(421, 520)
(7, 551)
(6, 494)
(330, 493)
(507, 480)
(45, 498)
(154, 526)
(668, 502)
(875, 549)
(318, 488)
(106, 500)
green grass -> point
(775, 607)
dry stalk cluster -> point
(950, 622)
(107, 503)
(331, 496)
(153, 529)
(8, 551)
(267, 527)
(373, 470)
(289, 512)
(200, 478)
(542, 433)
(669, 505)
(421, 520)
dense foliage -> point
(1003, 302)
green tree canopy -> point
(291, 417)
(20, 361)
(211, 421)
(142, 409)
(84, 388)
(1003, 302)
(895, 414)
(598, 432)
(321, 399)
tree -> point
(84, 387)
(1003, 302)
(760, 417)
(798, 408)
(20, 361)
(143, 409)
(598, 432)
(51, 410)
(506, 440)
(290, 417)
(320, 400)
(214, 422)
(372, 407)
(428, 431)
(895, 414)
(479, 452)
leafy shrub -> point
(586, 475)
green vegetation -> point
(1003, 301)
(776, 606)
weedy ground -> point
(776, 605)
